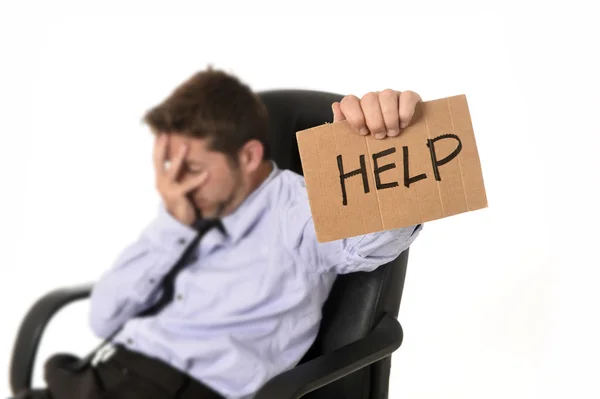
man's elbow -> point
(99, 325)
(100, 320)
(406, 240)
(383, 248)
(398, 241)
(415, 232)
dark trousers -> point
(126, 374)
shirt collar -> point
(249, 211)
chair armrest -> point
(31, 330)
(385, 338)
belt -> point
(161, 374)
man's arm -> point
(133, 283)
(368, 251)
(381, 114)
(360, 253)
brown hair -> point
(215, 105)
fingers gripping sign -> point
(382, 114)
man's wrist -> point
(167, 233)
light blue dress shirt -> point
(248, 306)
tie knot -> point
(204, 225)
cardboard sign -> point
(358, 184)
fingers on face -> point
(160, 152)
(175, 167)
(195, 182)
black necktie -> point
(168, 282)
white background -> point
(498, 303)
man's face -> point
(224, 183)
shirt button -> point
(181, 241)
(129, 341)
(179, 297)
(152, 281)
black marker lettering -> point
(407, 179)
(343, 177)
(378, 169)
(434, 162)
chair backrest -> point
(358, 300)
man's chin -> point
(213, 211)
(208, 213)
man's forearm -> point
(367, 252)
(133, 283)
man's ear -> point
(251, 155)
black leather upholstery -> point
(291, 111)
(358, 301)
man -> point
(247, 304)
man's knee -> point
(33, 394)
(59, 363)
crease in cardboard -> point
(320, 162)
(319, 174)
(370, 152)
(411, 167)
(462, 175)
(436, 182)
(364, 222)
(337, 151)
(421, 219)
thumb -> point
(338, 115)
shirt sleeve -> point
(132, 284)
(360, 253)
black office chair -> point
(351, 357)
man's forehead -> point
(196, 147)
(193, 143)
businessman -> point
(245, 303)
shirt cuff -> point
(378, 242)
(169, 235)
